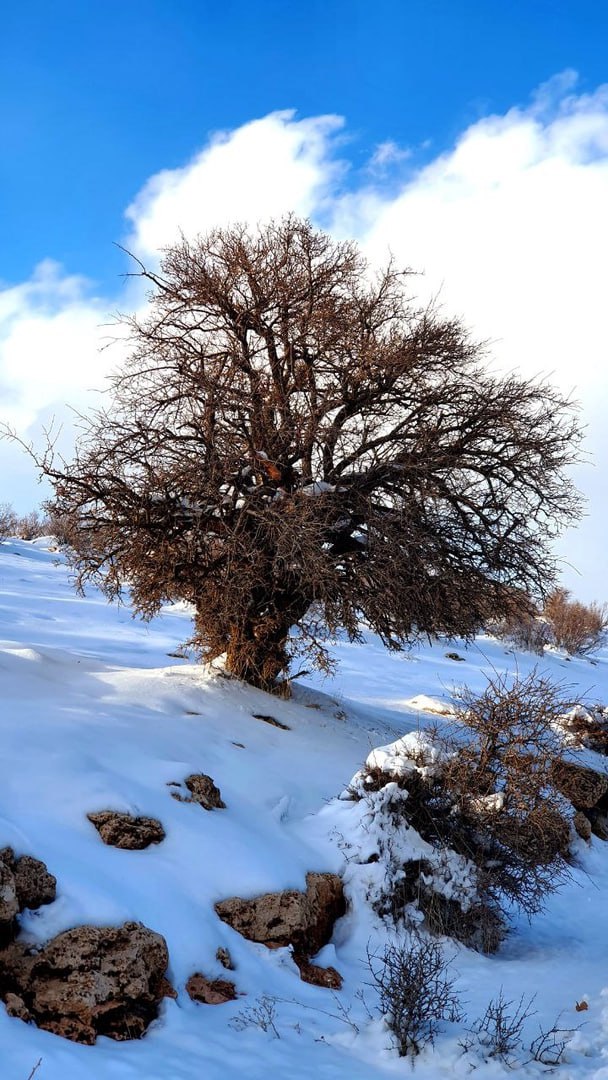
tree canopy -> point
(293, 442)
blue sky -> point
(96, 97)
(468, 137)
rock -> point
(15, 1006)
(582, 825)
(210, 991)
(320, 976)
(9, 905)
(583, 787)
(24, 883)
(304, 920)
(272, 720)
(126, 831)
(224, 958)
(35, 886)
(88, 981)
(202, 791)
(599, 824)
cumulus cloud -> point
(262, 170)
(507, 227)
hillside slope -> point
(96, 714)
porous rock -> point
(224, 958)
(304, 920)
(319, 976)
(582, 825)
(202, 791)
(210, 991)
(583, 787)
(24, 883)
(88, 981)
(126, 831)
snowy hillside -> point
(97, 714)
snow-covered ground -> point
(95, 715)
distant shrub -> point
(569, 624)
(527, 631)
(8, 521)
(578, 628)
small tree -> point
(292, 442)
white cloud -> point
(509, 226)
(262, 170)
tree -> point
(291, 442)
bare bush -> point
(290, 433)
(498, 1033)
(578, 628)
(549, 1046)
(261, 1014)
(416, 991)
(8, 521)
(526, 630)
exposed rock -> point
(126, 831)
(24, 883)
(15, 1006)
(304, 920)
(582, 825)
(210, 991)
(9, 905)
(583, 787)
(599, 823)
(88, 981)
(272, 720)
(224, 958)
(202, 791)
(320, 976)
(35, 886)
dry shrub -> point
(578, 628)
(499, 773)
(492, 800)
(28, 526)
(527, 631)
(416, 991)
(8, 521)
(498, 1033)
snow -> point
(96, 715)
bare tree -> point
(292, 442)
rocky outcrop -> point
(304, 920)
(126, 831)
(202, 791)
(24, 883)
(88, 981)
(210, 991)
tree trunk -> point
(257, 650)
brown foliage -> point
(492, 797)
(292, 442)
(578, 628)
